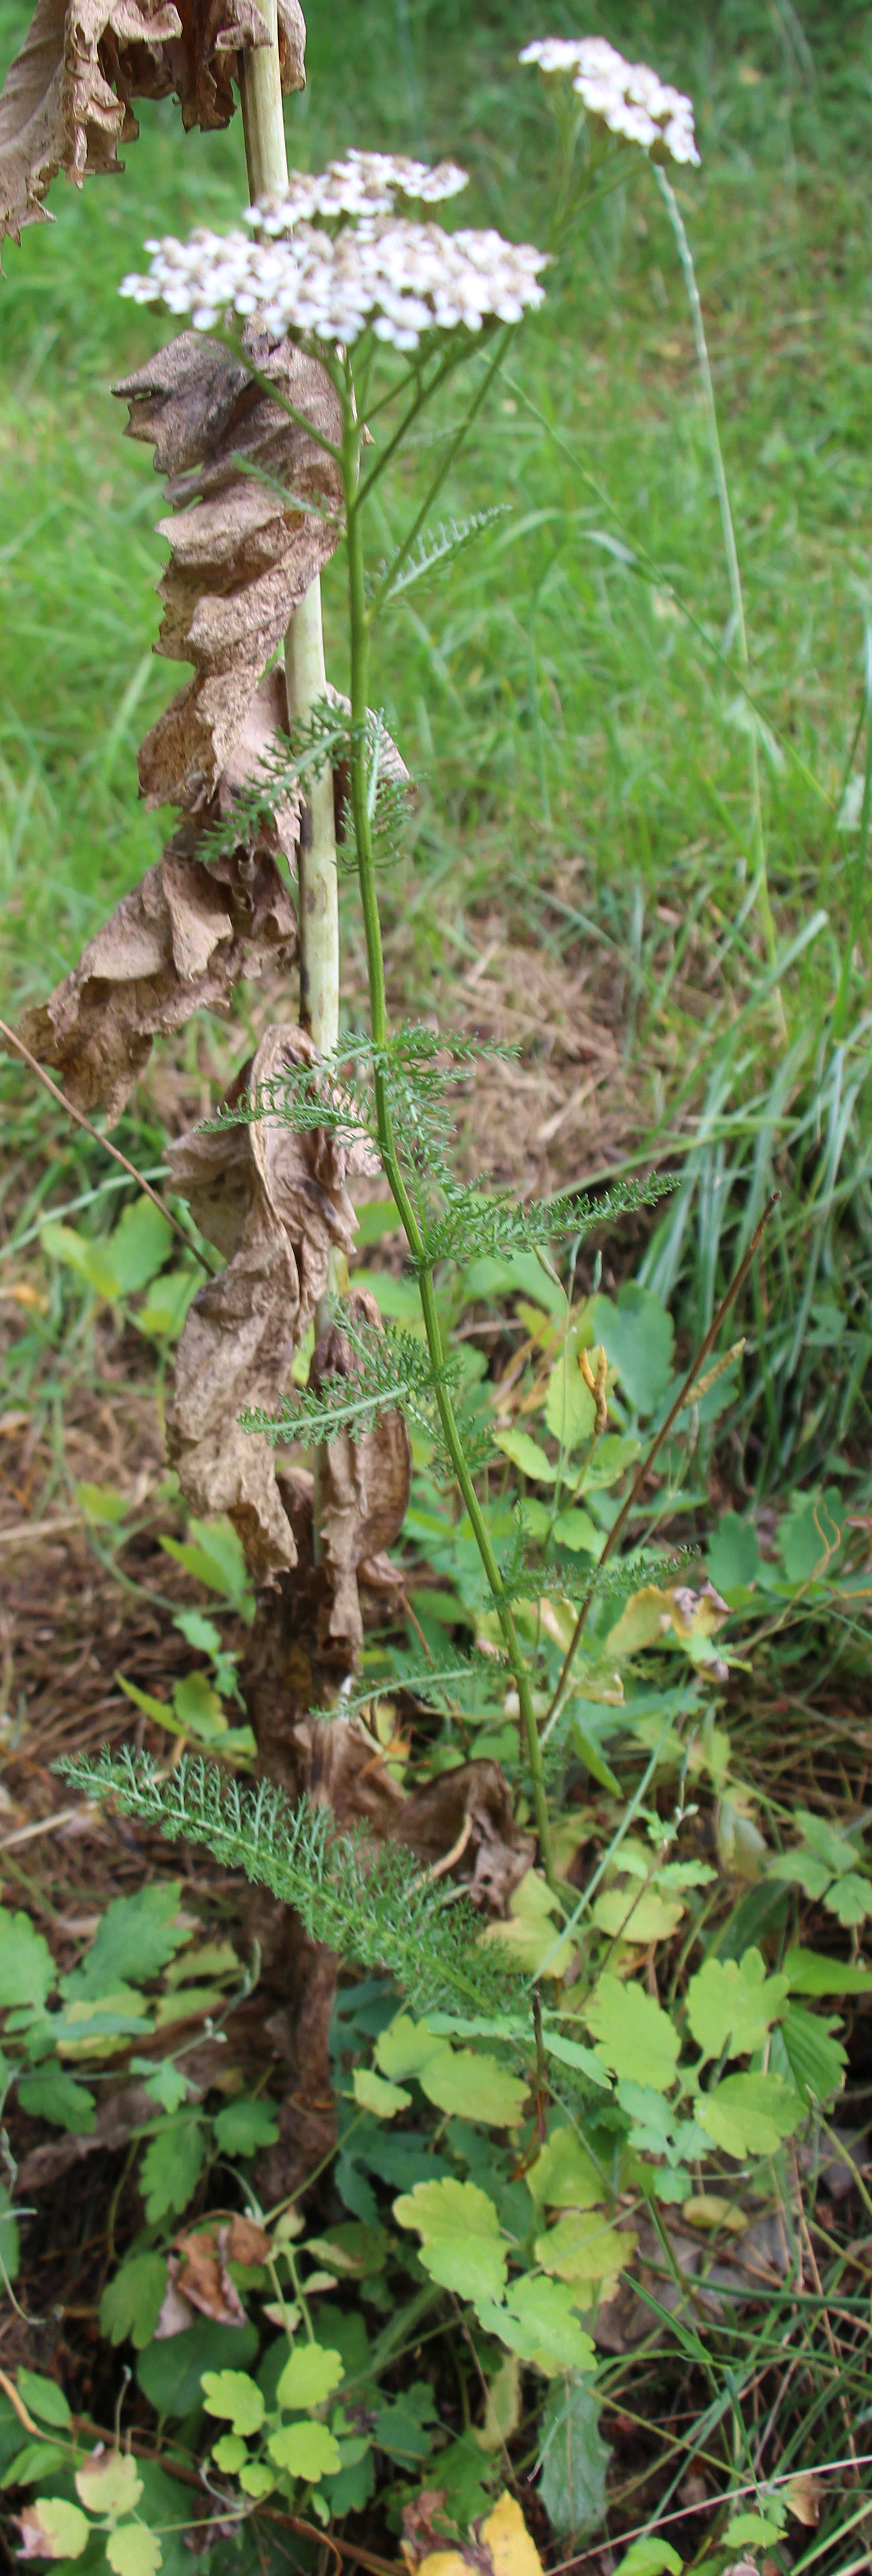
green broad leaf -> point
(375, 1218)
(733, 1557)
(849, 1899)
(809, 1535)
(102, 1504)
(242, 2128)
(406, 2047)
(634, 2036)
(27, 1969)
(574, 2461)
(570, 2052)
(197, 1705)
(138, 1246)
(539, 2324)
(839, 1851)
(171, 2167)
(10, 2252)
(732, 2005)
(213, 1555)
(51, 2095)
(44, 2399)
(169, 2373)
(583, 2247)
(165, 2084)
(585, 1744)
(198, 1631)
(460, 2236)
(91, 1261)
(311, 2374)
(519, 1274)
(563, 2176)
(38, 2460)
(109, 2485)
(229, 2453)
(256, 2479)
(133, 2550)
(810, 1972)
(526, 1454)
(611, 1459)
(136, 1938)
(748, 2115)
(570, 1412)
(637, 1336)
(475, 2087)
(575, 1529)
(132, 2301)
(232, 2394)
(801, 1869)
(653, 2121)
(752, 2531)
(374, 2093)
(817, 2062)
(164, 1311)
(401, 2429)
(307, 2450)
(650, 2557)
(63, 2529)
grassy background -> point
(580, 741)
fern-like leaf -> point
(435, 1684)
(434, 550)
(378, 1911)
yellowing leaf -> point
(563, 2176)
(634, 2037)
(133, 2550)
(374, 2094)
(636, 1914)
(109, 2487)
(583, 2247)
(539, 2323)
(505, 2534)
(460, 2238)
(475, 2087)
(406, 2047)
(570, 1412)
(307, 2450)
(52, 2529)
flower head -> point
(335, 258)
(630, 97)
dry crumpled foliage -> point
(274, 1202)
(178, 943)
(199, 2281)
(364, 1492)
(242, 554)
(65, 103)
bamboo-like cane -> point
(266, 160)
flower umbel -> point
(336, 258)
(630, 97)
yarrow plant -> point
(630, 98)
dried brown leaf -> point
(179, 942)
(202, 2279)
(275, 1202)
(243, 2242)
(364, 1491)
(66, 100)
(242, 554)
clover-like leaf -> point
(232, 2394)
(748, 2115)
(109, 2487)
(133, 2550)
(633, 2035)
(731, 2003)
(307, 2450)
(460, 2238)
(583, 2247)
(310, 2375)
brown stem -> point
(81, 1121)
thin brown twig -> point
(82, 1121)
(643, 1472)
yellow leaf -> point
(583, 2247)
(505, 2534)
(631, 1914)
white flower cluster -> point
(400, 278)
(629, 97)
(367, 183)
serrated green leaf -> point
(570, 2052)
(817, 2062)
(563, 2176)
(311, 2374)
(374, 2093)
(256, 2479)
(229, 2453)
(27, 1969)
(584, 2247)
(748, 2115)
(242, 2128)
(109, 2486)
(752, 2531)
(132, 2301)
(460, 2240)
(406, 2047)
(611, 1458)
(136, 1938)
(44, 2399)
(570, 1412)
(64, 2531)
(306, 2450)
(650, 2557)
(809, 1972)
(574, 2460)
(231, 2393)
(526, 1454)
(171, 2167)
(849, 1899)
(52, 2095)
(133, 2550)
(732, 2004)
(634, 2036)
(575, 1529)
(37, 2461)
(539, 2324)
(630, 1913)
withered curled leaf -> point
(66, 100)
(243, 549)
(274, 1201)
(178, 943)
(364, 1492)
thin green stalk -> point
(840, 1014)
(379, 1022)
(438, 479)
(733, 574)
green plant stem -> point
(379, 1020)
(840, 1013)
(729, 534)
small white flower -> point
(367, 183)
(630, 97)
